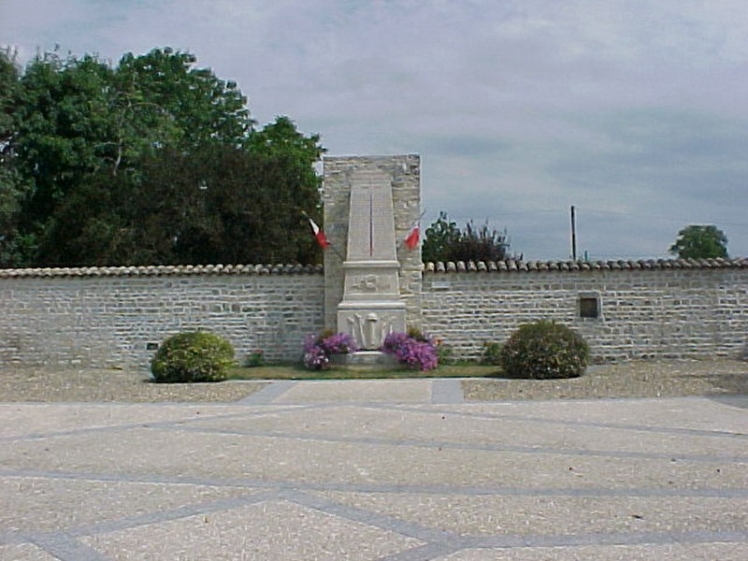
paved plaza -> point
(396, 470)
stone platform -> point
(367, 360)
(396, 470)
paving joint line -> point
(66, 548)
(64, 544)
(156, 517)
(268, 394)
(476, 447)
(445, 542)
(172, 424)
(372, 518)
(395, 489)
(564, 422)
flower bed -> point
(413, 350)
(319, 348)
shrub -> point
(417, 334)
(444, 353)
(319, 348)
(543, 350)
(194, 356)
(412, 349)
(255, 358)
(491, 353)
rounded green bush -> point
(194, 356)
(491, 353)
(543, 350)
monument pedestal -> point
(371, 204)
(370, 323)
(371, 307)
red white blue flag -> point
(319, 235)
(413, 237)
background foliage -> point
(151, 161)
(700, 242)
(444, 241)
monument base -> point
(369, 323)
(366, 360)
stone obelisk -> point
(371, 307)
(372, 279)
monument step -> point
(366, 360)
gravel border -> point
(46, 384)
(636, 379)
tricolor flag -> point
(319, 235)
(411, 240)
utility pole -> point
(573, 235)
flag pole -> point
(335, 250)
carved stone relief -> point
(370, 330)
(371, 283)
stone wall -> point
(645, 312)
(111, 318)
(108, 317)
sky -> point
(635, 112)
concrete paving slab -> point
(48, 418)
(670, 552)
(677, 413)
(356, 460)
(374, 471)
(549, 515)
(27, 505)
(360, 391)
(24, 552)
(461, 427)
(268, 530)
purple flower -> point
(316, 359)
(339, 343)
(418, 355)
(318, 349)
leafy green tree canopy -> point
(700, 242)
(13, 188)
(152, 161)
(442, 235)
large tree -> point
(221, 204)
(700, 242)
(152, 161)
(12, 186)
(61, 126)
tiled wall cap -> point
(161, 270)
(506, 265)
(513, 265)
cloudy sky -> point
(633, 111)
